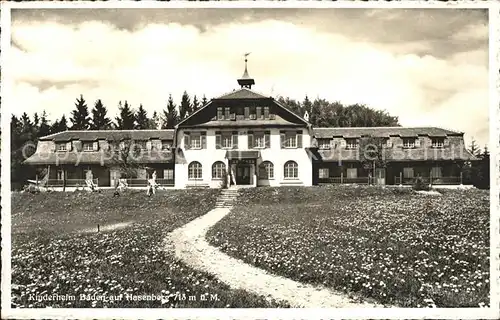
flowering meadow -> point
(60, 260)
(391, 245)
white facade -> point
(275, 154)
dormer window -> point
(61, 146)
(227, 113)
(324, 143)
(165, 145)
(437, 142)
(88, 146)
(408, 142)
(220, 115)
(266, 112)
(351, 143)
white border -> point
(408, 313)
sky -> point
(429, 67)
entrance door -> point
(243, 174)
(380, 176)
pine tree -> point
(170, 115)
(155, 121)
(100, 121)
(141, 119)
(473, 148)
(80, 118)
(196, 104)
(126, 120)
(44, 128)
(185, 107)
(204, 101)
(306, 106)
(59, 125)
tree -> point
(141, 119)
(23, 142)
(170, 116)
(306, 106)
(80, 118)
(44, 129)
(126, 120)
(196, 104)
(155, 121)
(372, 153)
(185, 106)
(473, 148)
(100, 121)
(204, 101)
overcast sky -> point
(427, 66)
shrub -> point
(419, 184)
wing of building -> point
(247, 138)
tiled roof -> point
(94, 157)
(93, 135)
(458, 152)
(243, 93)
(247, 123)
(382, 132)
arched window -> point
(218, 170)
(194, 170)
(266, 170)
(291, 170)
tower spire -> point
(245, 81)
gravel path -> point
(190, 246)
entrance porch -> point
(242, 168)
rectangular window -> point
(195, 141)
(166, 145)
(88, 146)
(168, 174)
(437, 172)
(408, 142)
(324, 173)
(408, 173)
(220, 116)
(437, 142)
(352, 173)
(291, 140)
(227, 112)
(266, 112)
(61, 146)
(141, 144)
(351, 143)
(324, 143)
(227, 140)
(259, 140)
(259, 113)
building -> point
(246, 138)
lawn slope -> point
(57, 252)
(392, 245)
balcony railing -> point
(144, 182)
(67, 183)
(429, 180)
(343, 180)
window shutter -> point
(267, 137)
(250, 141)
(218, 141)
(417, 142)
(446, 142)
(187, 142)
(95, 146)
(389, 143)
(235, 141)
(343, 143)
(68, 146)
(203, 141)
(299, 139)
(247, 112)
(282, 139)
(332, 144)
(259, 112)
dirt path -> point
(190, 246)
